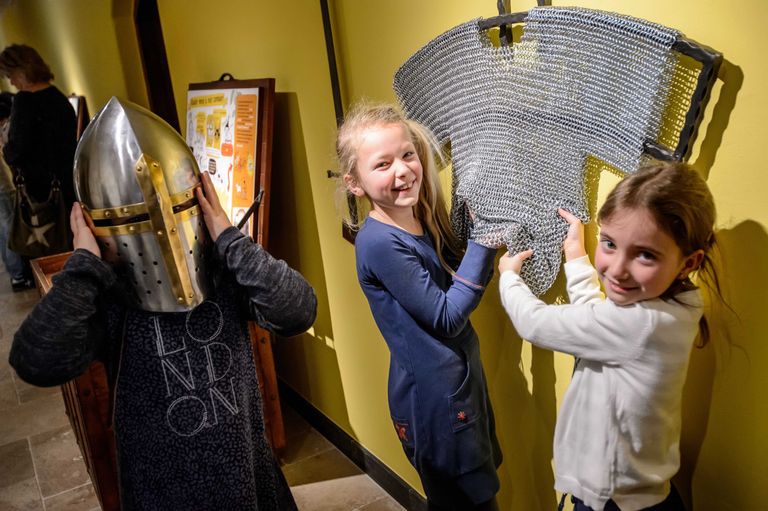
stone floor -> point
(41, 467)
(322, 478)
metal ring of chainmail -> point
(522, 120)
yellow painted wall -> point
(90, 46)
(725, 455)
(341, 365)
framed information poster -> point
(229, 130)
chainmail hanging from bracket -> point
(522, 120)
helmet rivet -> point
(107, 214)
(187, 195)
(125, 210)
(173, 229)
(154, 164)
(159, 233)
(180, 300)
(191, 295)
(138, 168)
(131, 228)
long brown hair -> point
(25, 59)
(680, 202)
(430, 209)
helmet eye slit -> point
(185, 205)
(134, 219)
(111, 222)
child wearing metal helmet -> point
(187, 409)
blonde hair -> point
(680, 202)
(430, 209)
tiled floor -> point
(41, 467)
(322, 478)
(40, 464)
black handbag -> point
(39, 228)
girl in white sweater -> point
(618, 430)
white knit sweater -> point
(618, 429)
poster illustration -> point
(222, 128)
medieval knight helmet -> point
(136, 179)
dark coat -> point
(187, 408)
(41, 142)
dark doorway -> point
(155, 61)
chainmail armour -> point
(522, 120)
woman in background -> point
(42, 135)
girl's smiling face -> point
(388, 170)
(636, 260)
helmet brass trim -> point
(130, 210)
(141, 227)
(163, 222)
(116, 213)
(184, 195)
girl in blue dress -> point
(421, 288)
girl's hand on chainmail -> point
(513, 262)
(573, 245)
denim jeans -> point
(13, 262)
